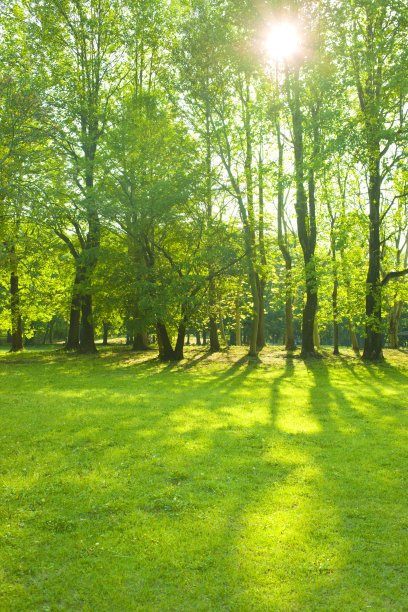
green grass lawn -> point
(213, 484)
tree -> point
(372, 42)
(81, 48)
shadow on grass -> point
(235, 488)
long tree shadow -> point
(353, 485)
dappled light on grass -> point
(224, 485)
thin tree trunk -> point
(394, 318)
(87, 333)
(262, 275)
(261, 322)
(214, 341)
(46, 332)
(335, 308)
(373, 337)
(222, 328)
(238, 340)
(198, 340)
(16, 327)
(290, 344)
(72, 343)
(51, 331)
(282, 243)
(316, 335)
(306, 218)
(106, 327)
(354, 342)
(253, 351)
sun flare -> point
(282, 41)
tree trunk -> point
(46, 333)
(178, 350)
(354, 342)
(394, 318)
(204, 336)
(51, 331)
(253, 352)
(16, 328)
(166, 352)
(238, 340)
(335, 308)
(283, 246)
(306, 217)
(316, 335)
(214, 342)
(140, 341)
(72, 343)
(198, 340)
(309, 312)
(106, 327)
(261, 322)
(87, 333)
(373, 337)
(290, 344)
(222, 328)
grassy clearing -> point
(210, 485)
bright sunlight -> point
(282, 41)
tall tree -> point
(81, 49)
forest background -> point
(172, 168)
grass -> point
(214, 484)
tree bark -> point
(373, 337)
(238, 340)
(335, 307)
(282, 243)
(46, 333)
(214, 341)
(72, 343)
(106, 327)
(306, 218)
(87, 333)
(51, 331)
(178, 350)
(354, 342)
(166, 352)
(393, 323)
(140, 341)
(316, 335)
(222, 328)
(16, 327)
(290, 344)
(261, 322)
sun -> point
(282, 41)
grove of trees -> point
(175, 168)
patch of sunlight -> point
(189, 418)
(288, 540)
(63, 394)
(297, 420)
